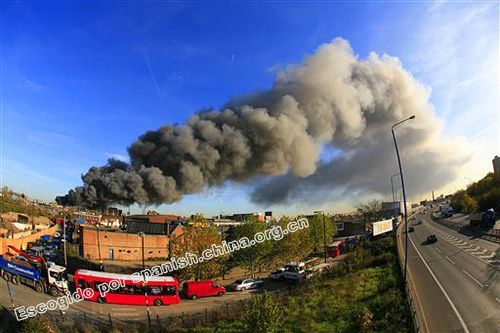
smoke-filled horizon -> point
(332, 99)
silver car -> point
(245, 284)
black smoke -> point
(333, 98)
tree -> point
(293, 245)
(195, 240)
(319, 232)
(463, 202)
(253, 256)
(371, 210)
(490, 199)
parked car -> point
(411, 229)
(245, 284)
(431, 239)
(278, 274)
(197, 289)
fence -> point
(465, 227)
(230, 310)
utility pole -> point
(101, 266)
(142, 235)
(65, 240)
(403, 188)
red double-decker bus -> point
(337, 248)
(160, 290)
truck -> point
(40, 275)
(295, 271)
(446, 211)
(485, 219)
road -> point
(25, 296)
(455, 279)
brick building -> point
(110, 244)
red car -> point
(197, 289)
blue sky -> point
(81, 81)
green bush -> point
(263, 314)
(462, 202)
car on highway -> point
(278, 274)
(245, 284)
(431, 239)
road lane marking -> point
(498, 300)
(473, 278)
(476, 249)
(437, 249)
(450, 260)
(488, 256)
(478, 258)
(462, 322)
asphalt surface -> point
(455, 279)
(26, 296)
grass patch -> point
(363, 295)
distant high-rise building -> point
(496, 166)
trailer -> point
(42, 276)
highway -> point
(455, 279)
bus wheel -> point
(14, 279)
(101, 300)
(220, 293)
(53, 292)
(6, 276)
(158, 302)
(194, 297)
(38, 287)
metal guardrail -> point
(492, 235)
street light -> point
(101, 266)
(142, 235)
(403, 187)
(324, 231)
(64, 240)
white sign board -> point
(381, 227)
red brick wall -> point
(125, 246)
(23, 241)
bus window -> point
(129, 290)
(169, 290)
(97, 284)
(81, 284)
(88, 284)
(154, 290)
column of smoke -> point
(334, 99)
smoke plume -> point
(334, 99)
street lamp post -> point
(324, 233)
(101, 266)
(65, 240)
(142, 235)
(403, 188)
